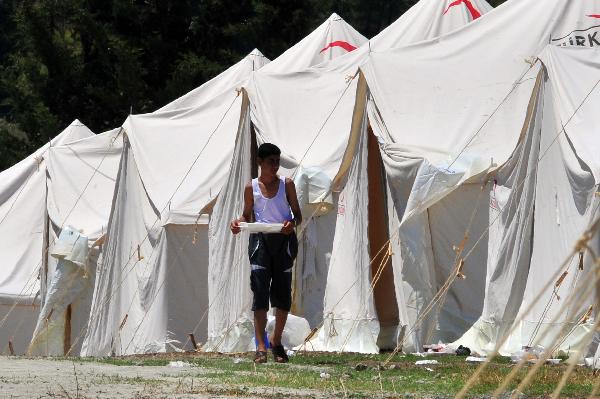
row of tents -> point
(447, 170)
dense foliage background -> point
(96, 60)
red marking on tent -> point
(474, 12)
(341, 204)
(594, 16)
(345, 45)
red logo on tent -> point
(345, 45)
(474, 12)
(594, 16)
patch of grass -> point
(446, 378)
(118, 361)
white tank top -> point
(271, 210)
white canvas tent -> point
(221, 84)
(425, 20)
(565, 206)
(153, 291)
(498, 173)
(22, 227)
(309, 114)
(150, 259)
(330, 40)
(80, 183)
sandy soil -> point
(41, 378)
(49, 378)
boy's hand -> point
(288, 228)
(235, 226)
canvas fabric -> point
(330, 40)
(22, 227)
(283, 112)
(131, 310)
(173, 167)
(80, 183)
(482, 131)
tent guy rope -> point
(580, 244)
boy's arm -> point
(290, 191)
(247, 213)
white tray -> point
(261, 227)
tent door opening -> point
(384, 293)
(67, 335)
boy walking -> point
(271, 198)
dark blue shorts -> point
(272, 258)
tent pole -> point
(45, 250)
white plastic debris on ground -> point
(530, 354)
(439, 348)
(424, 362)
(296, 330)
(179, 364)
(475, 359)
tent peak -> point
(335, 17)
(256, 52)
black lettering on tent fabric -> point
(577, 40)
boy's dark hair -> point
(267, 149)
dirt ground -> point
(42, 378)
(308, 375)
